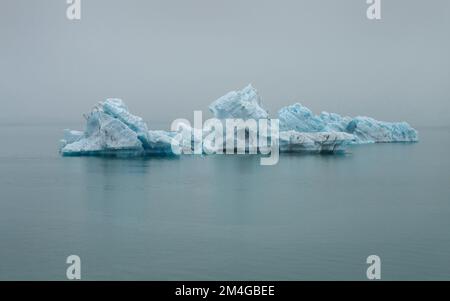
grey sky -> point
(167, 58)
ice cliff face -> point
(117, 109)
(365, 129)
(320, 142)
(244, 104)
(112, 130)
(247, 104)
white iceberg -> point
(244, 104)
(160, 142)
(365, 129)
(70, 136)
(320, 142)
(112, 130)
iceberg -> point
(70, 136)
(365, 129)
(247, 104)
(160, 142)
(117, 109)
(244, 104)
(320, 142)
(112, 130)
(103, 135)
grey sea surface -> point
(310, 217)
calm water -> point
(224, 217)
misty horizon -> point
(167, 59)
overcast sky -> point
(167, 58)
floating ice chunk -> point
(299, 118)
(160, 142)
(335, 122)
(112, 130)
(319, 142)
(366, 130)
(116, 108)
(105, 135)
(70, 136)
(369, 130)
(244, 104)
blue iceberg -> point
(247, 104)
(365, 129)
(319, 142)
(244, 104)
(112, 130)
